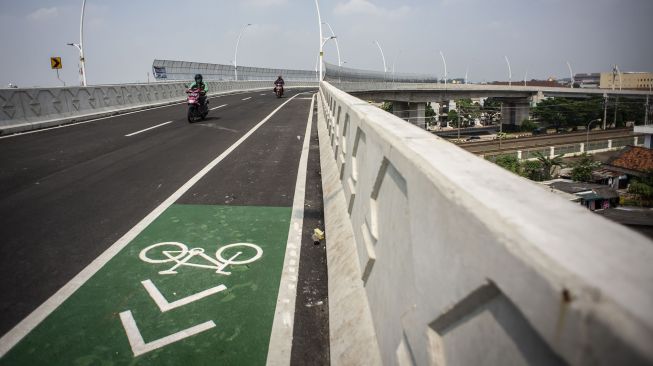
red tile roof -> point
(634, 158)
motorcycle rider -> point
(279, 83)
(199, 84)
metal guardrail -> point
(460, 260)
(27, 109)
(184, 70)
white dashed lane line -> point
(220, 106)
(147, 129)
(247, 98)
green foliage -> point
(387, 106)
(548, 164)
(453, 117)
(532, 169)
(509, 162)
(643, 186)
(429, 112)
(528, 125)
(641, 189)
(491, 103)
(566, 112)
(582, 169)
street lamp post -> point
(321, 55)
(509, 71)
(445, 69)
(236, 53)
(571, 75)
(385, 69)
(80, 47)
(587, 137)
(336, 39)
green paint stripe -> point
(87, 328)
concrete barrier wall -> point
(27, 109)
(462, 263)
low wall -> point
(459, 262)
(33, 108)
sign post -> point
(55, 64)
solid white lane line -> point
(220, 106)
(284, 313)
(247, 98)
(23, 328)
(147, 129)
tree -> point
(429, 113)
(387, 106)
(453, 118)
(469, 110)
(582, 169)
(565, 112)
(548, 164)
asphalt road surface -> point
(174, 233)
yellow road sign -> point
(55, 62)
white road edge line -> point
(246, 98)
(147, 129)
(284, 313)
(220, 106)
(9, 340)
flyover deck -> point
(143, 238)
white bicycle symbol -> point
(180, 254)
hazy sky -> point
(123, 37)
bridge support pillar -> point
(513, 112)
(414, 113)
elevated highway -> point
(139, 238)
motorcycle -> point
(278, 90)
(196, 110)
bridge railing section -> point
(461, 262)
(339, 73)
(185, 70)
(26, 109)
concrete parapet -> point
(463, 263)
(33, 108)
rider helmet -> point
(198, 78)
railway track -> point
(531, 142)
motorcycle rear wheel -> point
(191, 114)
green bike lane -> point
(199, 283)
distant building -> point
(629, 80)
(592, 80)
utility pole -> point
(605, 109)
(646, 111)
(459, 111)
(616, 101)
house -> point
(632, 160)
(592, 196)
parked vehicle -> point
(198, 108)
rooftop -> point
(639, 159)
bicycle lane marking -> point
(37, 317)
